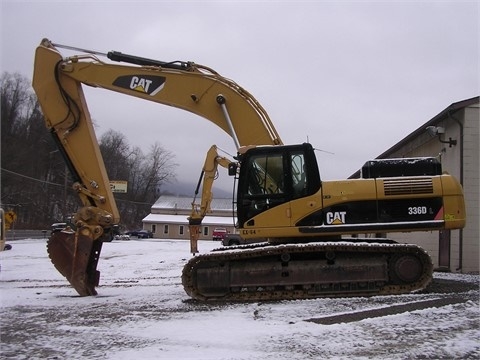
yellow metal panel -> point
(70, 119)
(337, 192)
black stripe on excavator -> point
(132, 59)
(381, 213)
(147, 84)
(377, 227)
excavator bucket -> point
(76, 256)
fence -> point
(27, 234)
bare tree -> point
(29, 183)
(144, 173)
(159, 170)
(115, 152)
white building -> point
(169, 218)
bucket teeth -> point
(75, 256)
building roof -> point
(445, 114)
(171, 202)
(182, 219)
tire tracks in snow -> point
(385, 311)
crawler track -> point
(303, 271)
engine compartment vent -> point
(407, 186)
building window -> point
(154, 228)
(180, 230)
(205, 230)
(165, 229)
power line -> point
(31, 178)
(63, 185)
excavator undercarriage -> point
(303, 271)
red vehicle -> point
(219, 234)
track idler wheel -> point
(406, 269)
(75, 256)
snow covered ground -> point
(142, 312)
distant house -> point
(453, 138)
(169, 218)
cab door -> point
(274, 178)
(261, 185)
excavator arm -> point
(58, 82)
(208, 176)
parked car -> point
(58, 227)
(219, 234)
(236, 239)
(145, 234)
(122, 237)
(232, 239)
(140, 233)
(133, 232)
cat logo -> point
(150, 84)
(336, 218)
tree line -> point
(35, 183)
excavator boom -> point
(58, 82)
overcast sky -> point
(352, 77)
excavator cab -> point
(274, 175)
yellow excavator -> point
(310, 228)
